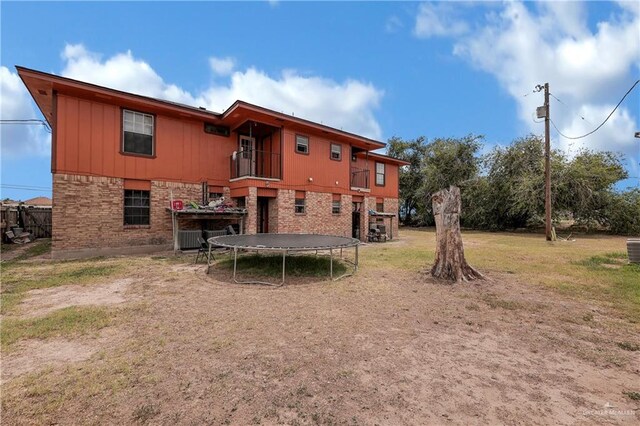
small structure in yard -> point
(450, 263)
(24, 221)
(286, 244)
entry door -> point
(355, 220)
(263, 215)
(247, 154)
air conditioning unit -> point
(189, 239)
(214, 129)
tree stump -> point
(450, 263)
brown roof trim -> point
(237, 104)
(77, 84)
(197, 112)
(385, 158)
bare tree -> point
(450, 263)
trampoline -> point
(285, 243)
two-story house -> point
(118, 158)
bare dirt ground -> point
(41, 302)
(382, 347)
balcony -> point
(255, 163)
(359, 178)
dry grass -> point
(549, 337)
(593, 267)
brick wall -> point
(88, 212)
(318, 217)
(391, 206)
(251, 204)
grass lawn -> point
(550, 337)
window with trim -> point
(302, 144)
(336, 152)
(299, 205)
(380, 207)
(335, 207)
(379, 174)
(136, 207)
(137, 132)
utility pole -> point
(547, 160)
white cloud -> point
(122, 71)
(393, 24)
(348, 105)
(222, 66)
(15, 104)
(588, 69)
(438, 20)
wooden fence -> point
(35, 220)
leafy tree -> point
(450, 161)
(411, 176)
(623, 212)
(585, 186)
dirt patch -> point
(35, 355)
(382, 347)
(41, 302)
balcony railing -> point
(359, 178)
(255, 163)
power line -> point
(568, 107)
(28, 121)
(601, 124)
(12, 186)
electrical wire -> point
(28, 121)
(578, 115)
(601, 124)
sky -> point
(379, 69)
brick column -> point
(391, 206)
(251, 203)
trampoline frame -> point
(349, 242)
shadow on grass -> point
(270, 265)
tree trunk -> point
(450, 263)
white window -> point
(379, 174)
(137, 133)
(302, 144)
(336, 151)
(299, 206)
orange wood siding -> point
(89, 139)
(298, 168)
(390, 188)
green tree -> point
(411, 177)
(623, 212)
(585, 186)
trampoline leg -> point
(356, 258)
(235, 262)
(331, 263)
(209, 259)
(284, 255)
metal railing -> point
(255, 163)
(359, 178)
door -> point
(355, 220)
(247, 156)
(263, 215)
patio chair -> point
(204, 250)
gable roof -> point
(42, 86)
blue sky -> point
(382, 69)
